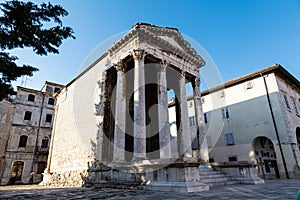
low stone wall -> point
(242, 172)
(67, 178)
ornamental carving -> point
(197, 81)
(163, 65)
(120, 66)
(138, 54)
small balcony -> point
(43, 150)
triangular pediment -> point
(162, 38)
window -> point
(31, 97)
(192, 121)
(190, 104)
(23, 140)
(211, 160)
(248, 85)
(56, 89)
(27, 115)
(229, 138)
(49, 89)
(232, 158)
(49, 118)
(295, 106)
(51, 101)
(45, 142)
(225, 113)
(222, 94)
(286, 101)
(205, 118)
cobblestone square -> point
(273, 189)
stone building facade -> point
(256, 118)
(112, 122)
(26, 132)
(124, 123)
(6, 110)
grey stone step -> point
(209, 172)
(117, 185)
(215, 180)
(211, 176)
(220, 183)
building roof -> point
(53, 84)
(276, 68)
(168, 39)
(165, 39)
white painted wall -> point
(76, 123)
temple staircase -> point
(214, 178)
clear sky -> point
(241, 36)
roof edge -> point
(276, 68)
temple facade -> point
(112, 120)
(131, 133)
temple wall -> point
(75, 128)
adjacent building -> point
(25, 131)
(256, 118)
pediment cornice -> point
(155, 37)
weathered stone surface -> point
(68, 178)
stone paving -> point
(273, 189)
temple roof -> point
(164, 39)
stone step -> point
(212, 176)
(215, 180)
(221, 183)
(209, 172)
(118, 185)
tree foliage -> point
(25, 24)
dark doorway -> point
(17, 170)
(266, 157)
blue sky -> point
(241, 36)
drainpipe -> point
(275, 127)
(37, 134)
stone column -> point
(120, 123)
(100, 114)
(184, 136)
(201, 131)
(163, 113)
(139, 106)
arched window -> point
(23, 141)
(45, 142)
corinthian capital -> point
(138, 54)
(120, 66)
(163, 65)
(197, 81)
